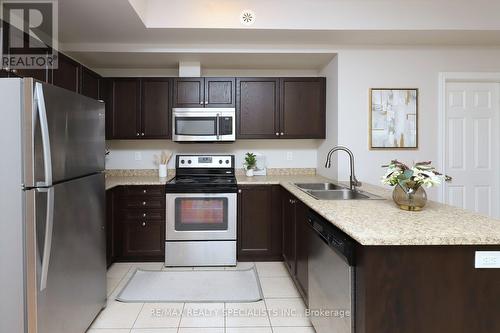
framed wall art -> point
(393, 118)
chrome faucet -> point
(353, 182)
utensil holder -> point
(162, 170)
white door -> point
(472, 146)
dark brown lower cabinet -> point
(142, 239)
(302, 240)
(432, 289)
(136, 223)
(110, 248)
(288, 215)
(296, 238)
(259, 223)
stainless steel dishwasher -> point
(331, 277)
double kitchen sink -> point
(331, 191)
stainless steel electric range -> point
(201, 212)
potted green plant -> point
(409, 183)
(250, 164)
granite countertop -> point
(374, 222)
(113, 181)
(381, 222)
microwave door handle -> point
(218, 129)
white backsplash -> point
(279, 153)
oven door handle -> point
(218, 129)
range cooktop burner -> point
(203, 173)
(203, 180)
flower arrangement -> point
(420, 174)
(409, 183)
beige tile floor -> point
(281, 311)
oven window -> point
(201, 126)
(201, 214)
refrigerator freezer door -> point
(67, 132)
(12, 302)
(75, 287)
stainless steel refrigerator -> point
(52, 208)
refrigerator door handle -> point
(47, 246)
(44, 127)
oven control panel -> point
(205, 161)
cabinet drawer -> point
(128, 215)
(146, 190)
(144, 239)
(144, 202)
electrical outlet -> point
(138, 156)
(487, 259)
(289, 156)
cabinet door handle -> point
(142, 134)
(277, 134)
(143, 224)
(138, 134)
(144, 203)
(144, 215)
(239, 191)
(282, 133)
(201, 103)
(144, 191)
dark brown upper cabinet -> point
(259, 230)
(89, 83)
(281, 108)
(155, 108)
(66, 75)
(204, 92)
(137, 108)
(257, 107)
(188, 92)
(219, 92)
(125, 109)
(38, 74)
(303, 103)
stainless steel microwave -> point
(203, 124)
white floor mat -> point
(192, 286)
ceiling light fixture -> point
(247, 17)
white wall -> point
(303, 152)
(331, 74)
(360, 70)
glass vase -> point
(410, 199)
